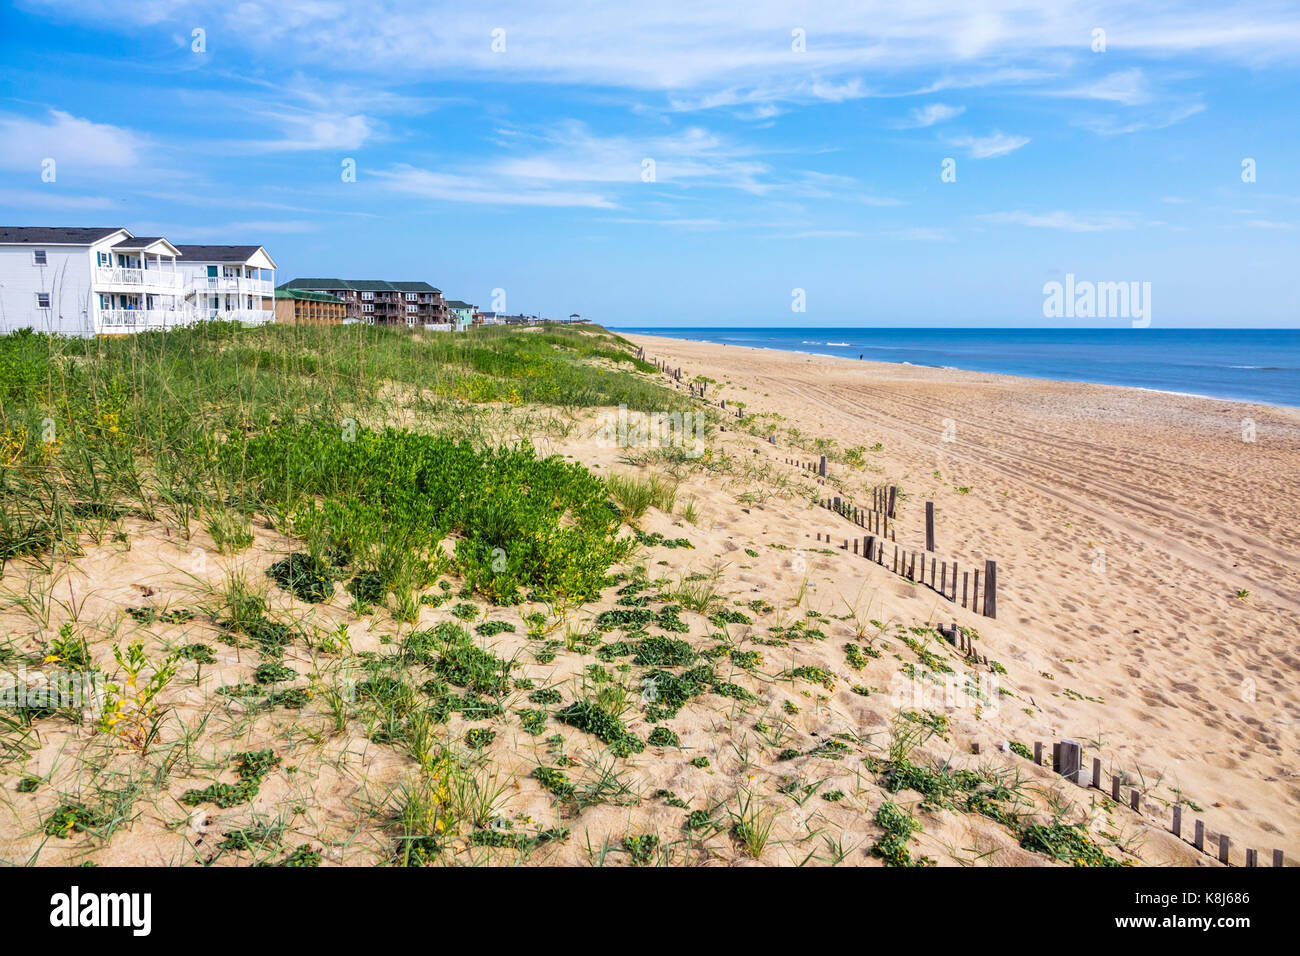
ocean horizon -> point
(1247, 365)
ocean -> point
(1250, 365)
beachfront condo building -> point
(105, 281)
(379, 302)
(304, 307)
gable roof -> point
(414, 287)
(240, 254)
(58, 235)
(457, 304)
(359, 285)
(148, 244)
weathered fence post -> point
(990, 589)
(1224, 846)
(1198, 840)
(821, 468)
(1178, 820)
(929, 526)
(893, 496)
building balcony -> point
(240, 285)
(146, 320)
(247, 316)
(138, 279)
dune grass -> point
(208, 426)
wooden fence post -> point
(821, 467)
(893, 495)
(1198, 840)
(929, 526)
(990, 589)
(1224, 846)
(1178, 820)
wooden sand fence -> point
(879, 519)
(974, 590)
(1067, 760)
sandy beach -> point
(1146, 608)
(1124, 523)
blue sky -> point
(795, 146)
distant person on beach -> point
(860, 354)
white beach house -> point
(97, 281)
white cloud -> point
(311, 131)
(450, 187)
(924, 116)
(917, 234)
(692, 45)
(1109, 126)
(53, 197)
(75, 144)
(1060, 219)
(571, 153)
(1128, 87)
(1269, 224)
(987, 147)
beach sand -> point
(1123, 521)
(1123, 524)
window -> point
(412, 308)
(38, 256)
(410, 323)
(367, 295)
(410, 297)
(42, 300)
(368, 307)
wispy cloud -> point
(1060, 219)
(1110, 126)
(1128, 87)
(450, 187)
(924, 116)
(314, 131)
(917, 234)
(53, 197)
(685, 44)
(987, 147)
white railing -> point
(144, 320)
(247, 316)
(112, 275)
(237, 284)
